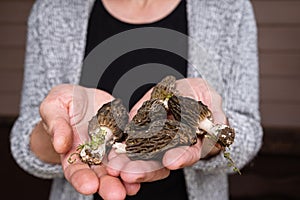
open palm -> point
(65, 113)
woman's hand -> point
(146, 171)
(65, 114)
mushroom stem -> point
(208, 126)
(119, 147)
(94, 151)
(218, 132)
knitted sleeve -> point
(34, 90)
(242, 99)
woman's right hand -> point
(65, 113)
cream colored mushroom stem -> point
(207, 125)
(119, 147)
(211, 128)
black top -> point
(101, 26)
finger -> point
(116, 164)
(99, 170)
(62, 136)
(182, 156)
(143, 171)
(132, 188)
(56, 122)
(186, 88)
(209, 148)
(82, 178)
(112, 154)
(196, 88)
(111, 188)
(219, 117)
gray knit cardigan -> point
(224, 28)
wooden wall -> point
(13, 18)
(279, 53)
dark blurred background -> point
(273, 174)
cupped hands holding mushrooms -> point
(175, 124)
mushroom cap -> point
(112, 115)
(188, 110)
(150, 110)
(164, 89)
(158, 138)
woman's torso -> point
(103, 25)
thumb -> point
(62, 137)
(56, 121)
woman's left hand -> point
(147, 171)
